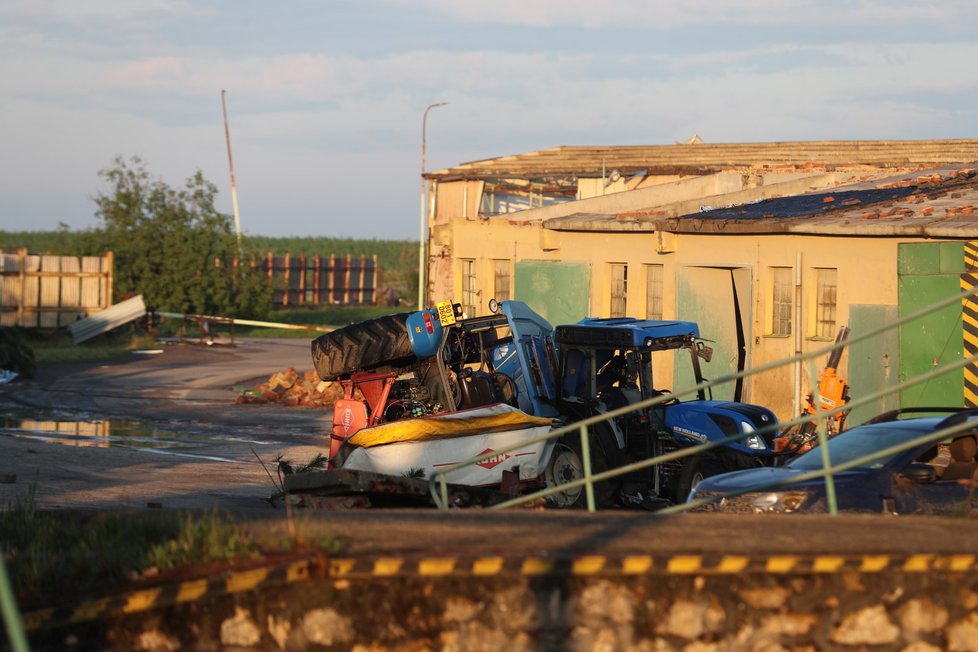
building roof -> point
(703, 158)
(939, 203)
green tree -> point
(173, 246)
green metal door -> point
(873, 363)
(557, 291)
(929, 272)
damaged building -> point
(771, 247)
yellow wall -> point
(866, 274)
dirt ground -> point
(159, 430)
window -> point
(782, 290)
(500, 280)
(619, 289)
(468, 287)
(653, 291)
(825, 303)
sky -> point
(325, 99)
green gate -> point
(927, 273)
(558, 291)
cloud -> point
(154, 72)
(668, 14)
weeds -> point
(200, 540)
(50, 553)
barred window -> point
(782, 291)
(653, 291)
(500, 289)
(825, 302)
(468, 287)
(619, 289)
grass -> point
(58, 347)
(49, 552)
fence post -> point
(316, 279)
(287, 278)
(346, 280)
(376, 281)
(21, 263)
(363, 278)
(270, 264)
(332, 278)
(109, 269)
(302, 279)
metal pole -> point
(423, 242)
(11, 614)
(234, 190)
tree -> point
(173, 246)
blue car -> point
(936, 477)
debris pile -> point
(291, 388)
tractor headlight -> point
(752, 441)
(779, 502)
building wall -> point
(866, 276)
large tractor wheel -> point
(367, 345)
(696, 468)
(566, 465)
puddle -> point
(110, 433)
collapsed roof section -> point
(559, 163)
(557, 175)
(938, 203)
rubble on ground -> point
(293, 389)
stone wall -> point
(760, 612)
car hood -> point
(739, 480)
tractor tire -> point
(566, 464)
(695, 468)
(369, 345)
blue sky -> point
(325, 99)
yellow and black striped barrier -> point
(155, 597)
(379, 568)
(969, 322)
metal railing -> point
(16, 635)
(438, 482)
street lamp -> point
(422, 258)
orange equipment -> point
(833, 391)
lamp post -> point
(423, 243)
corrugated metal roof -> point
(593, 161)
(112, 317)
(937, 204)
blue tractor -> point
(605, 364)
(434, 364)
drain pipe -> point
(797, 398)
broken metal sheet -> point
(112, 317)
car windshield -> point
(863, 440)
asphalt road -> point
(161, 431)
